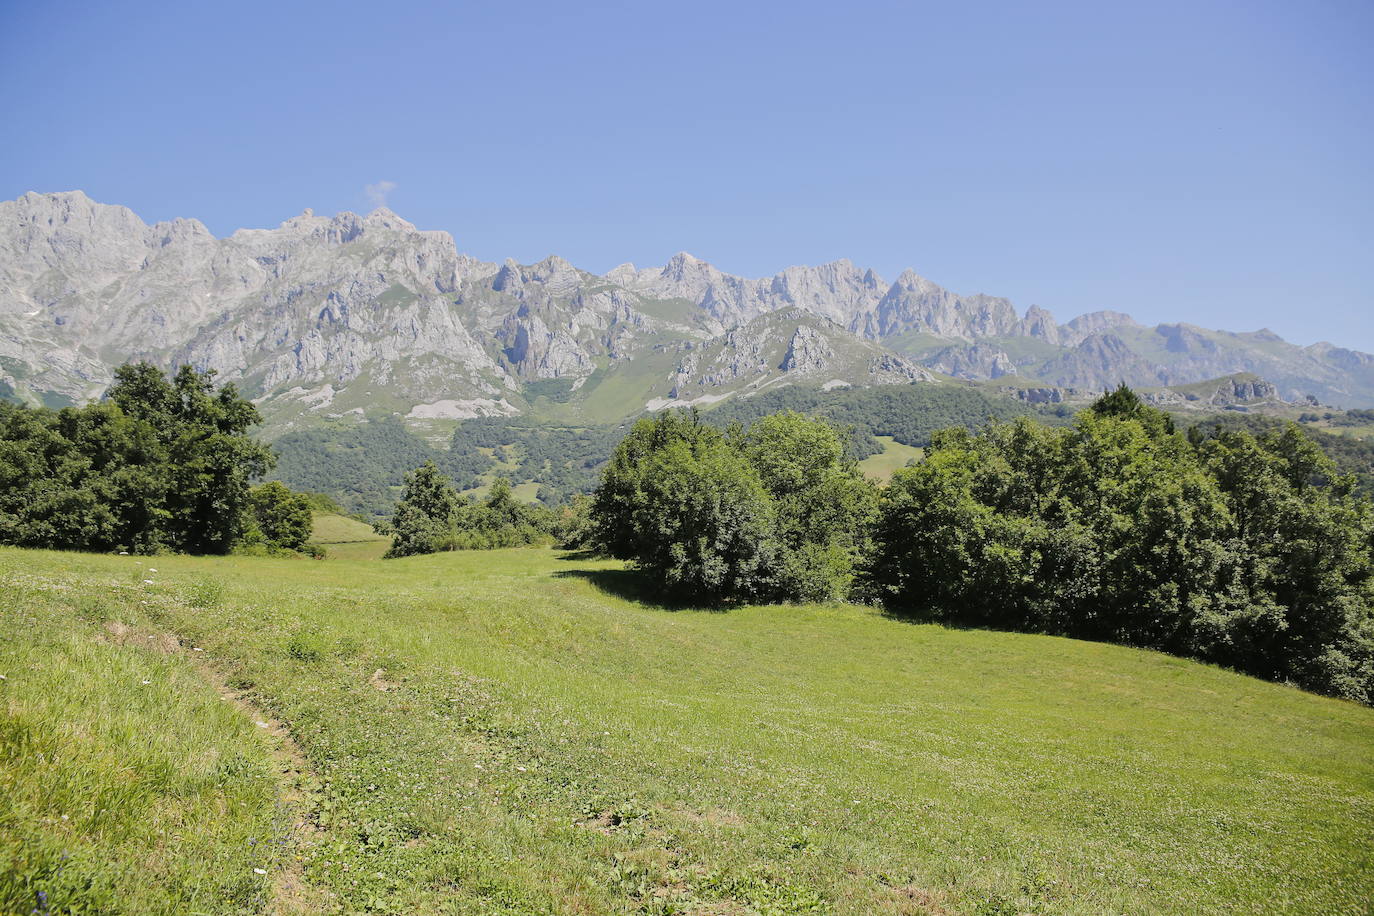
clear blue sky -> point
(1199, 161)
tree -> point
(777, 513)
(159, 465)
(282, 517)
(210, 459)
(424, 516)
(617, 510)
(1302, 565)
(704, 523)
(53, 494)
(823, 505)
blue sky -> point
(1201, 161)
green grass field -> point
(347, 538)
(510, 732)
(890, 460)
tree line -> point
(158, 465)
(432, 516)
(1247, 550)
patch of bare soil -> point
(380, 681)
(913, 900)
(605, 822)
(712, 817)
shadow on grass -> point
(626, 584)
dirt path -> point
(296, 824)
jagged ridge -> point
(333, 315)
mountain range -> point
(349, 315)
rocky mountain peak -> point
(384, 218)
(910, 281)
(1092, 322)
(686, 276)
(340, 300)
(1040, 323)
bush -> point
(284, 518)
(777, 513)
(424, 515)
(1251, 552)
(432, 517)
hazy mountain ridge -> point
(334, 315)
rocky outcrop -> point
(1040, 395)
(915, 305)
(1242, 389)
(808, 351)
(971, 361)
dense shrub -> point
(1243, 550)
(431, 517)
(775, 513)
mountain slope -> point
(789, 346)
(367, 315)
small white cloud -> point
(376, 193)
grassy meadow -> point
(345, 538)
(894, 456)
(513, 732)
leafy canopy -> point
(1248, 551)
(160, 465)
(774, 513)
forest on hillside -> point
(363, 466)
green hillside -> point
(347, 538)
(510, 732)
(891, 459)
(332, 528)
